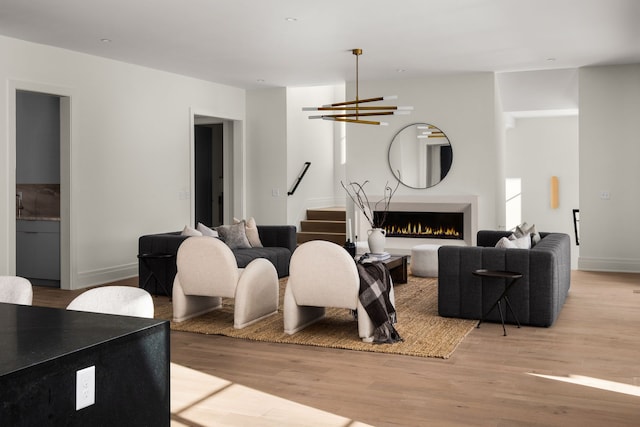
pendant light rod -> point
(353, 110)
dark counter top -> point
(33, 335)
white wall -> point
(464, 107)
(536, 150)
(280, 139)
(130, 130)
(609, 154)
(267, 155)
(311, 141)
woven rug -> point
(425, 333)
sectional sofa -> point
(536, 298)
(279, 242)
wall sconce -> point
(555, 200)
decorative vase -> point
(376, 240)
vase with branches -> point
(358, 195)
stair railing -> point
(305, 167)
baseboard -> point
(620, 265)
(101, 276)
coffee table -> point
(397, 265)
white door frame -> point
(68, 268)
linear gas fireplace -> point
(425, 225)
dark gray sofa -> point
(279, 242)
(536, 298)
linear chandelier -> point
(352, 111)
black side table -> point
(147, 261)
(499, 274)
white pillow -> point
(505, 243)
(206, 231)
(512, 242)
(523, 242)
(524, 229)
(251, 229)
(190, 231)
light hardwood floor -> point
(487, 382)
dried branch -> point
(359, 197)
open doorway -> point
(213, 180)
(40, 147)
(209, 176)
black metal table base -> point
(146, 258)
(500, 275)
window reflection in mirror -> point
(420, 155)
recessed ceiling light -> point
(401, 70)
(105, 40)
(290, 19)
(260, 80)
(551, 59)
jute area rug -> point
(425, 333)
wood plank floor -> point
(487, 381)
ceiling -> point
(252, 43)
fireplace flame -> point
(418, 229)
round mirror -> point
(420, 155)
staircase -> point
(324, 224)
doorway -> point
(209, 176)
(40, 133)
(216, 146)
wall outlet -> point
(85, 387)
(275, 192)
(605, 195)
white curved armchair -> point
(15, 290)
(120, 300)
(208, 271)
(323, 274)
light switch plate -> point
(85, 387)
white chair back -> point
(15, 290)
(324, 274)
(120, 300)
(206, 266)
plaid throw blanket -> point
(375, 284)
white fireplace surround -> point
(467, 204)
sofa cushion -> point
(524, 229)
(190, 231)
(206, 231)
(251, 229)
(234, 236)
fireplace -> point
(424, 225)
(459, 208)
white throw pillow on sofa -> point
(190, 231)
(512, 242)
(206, 231)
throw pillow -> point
(251, 229)
(524, 228)
(505, 243)
(190, 231)
(513, 242)
(206, 231)
(234, 236)
(523, 242)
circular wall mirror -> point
(420, 155)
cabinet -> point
(38, 249)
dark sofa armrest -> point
(280, 236)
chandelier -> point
(352, 111)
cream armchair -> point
(207, 272)
(323, 274)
